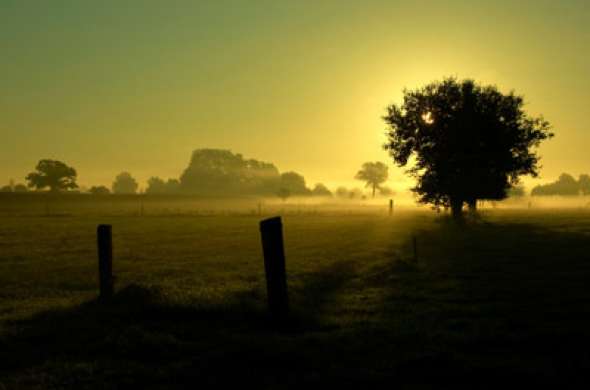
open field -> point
(505, 297)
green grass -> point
(502, 298)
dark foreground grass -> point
(500, 301)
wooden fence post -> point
(390, 207)
(274, 265)
(105, 261)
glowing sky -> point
(120, 85)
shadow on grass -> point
(493, 299)
(140, 337)
(486, 304)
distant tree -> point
(470, 142)
(6, 189)
(565, 185)
(374, 174)
(20, 188)
(124, 184)
(172, 186)
(295, 183)
(321, 190)
(284, 193)
(53, 174)
(342, 192)
(155, 185)
(99, 190)
(584, 184)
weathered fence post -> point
(271, 231)
(105, 261)
(390, 207)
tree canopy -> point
(221, 172)
(321, 190)
(374, 174)
(469, 141)
(294, 183)
(217, 172)
(52, 174)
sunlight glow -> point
(427, 118)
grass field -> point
(503, 298)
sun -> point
(427, 118)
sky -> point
(119, 85)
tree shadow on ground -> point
(501, 301)
(486, 304)
(140, 338)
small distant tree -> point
(295, 183)
(321, 190)
(342, 192)
(53, 174)
(155, 185)
(125, 184)
(99, 190)
(5, 189)
(284, 193)
(374, 174)
(20, 188)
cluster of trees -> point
(221, 172)
(565, 185)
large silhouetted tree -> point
(374, 174)
(52, 174)
(469, 141)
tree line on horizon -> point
(565, 185)
(211, 172)
(465, 143)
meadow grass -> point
(503, 297)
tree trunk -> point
(457, 208)
(374, 186)
(472, 204)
